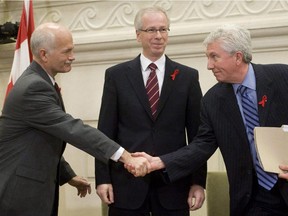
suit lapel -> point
(39, 70)
(134, 75)
(168, 84)
(229, 105)
(36, 68)
(264, 91)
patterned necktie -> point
(152, 89)
(265, 179)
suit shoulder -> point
(271, 67)
(31, 80)
(121, 66)
(217, 89)
(184, 67)
(188, 72)
(276, 72)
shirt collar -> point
(52, 79)
(249, 80)
(145, 62)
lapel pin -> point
(173, 76)
(263, 101)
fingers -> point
(81, 184)
(83, 190)
(141, 166)
(110, 195)
(141, 154)
(89, 189)
(196, 197)
(137, 165)
(148, 164)
(284, 174)
(191, 203)
(195, 203)
(105, 192)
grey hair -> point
(155, 9)
(43, 37)
(232, 38)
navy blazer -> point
(222, 126)
(125, 116)
(33, 127)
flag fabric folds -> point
(22, 55)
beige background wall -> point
(104, 35)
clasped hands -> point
(141, 163)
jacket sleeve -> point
(66, 173)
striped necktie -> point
(250, 113)
(152, 89)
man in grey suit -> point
(225, 124)
(34, 129)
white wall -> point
(104, 35)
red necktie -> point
(58, 90)
(152, 89)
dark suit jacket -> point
(125, 117)
(32, 129)
(222, 126)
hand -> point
(196, 197)
(138, 166)
(82, 185)
(283, 175)
(155, 162)
(105, 192)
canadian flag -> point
(22, 55)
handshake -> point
(141, 163)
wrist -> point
(125, 157)
(157, 164)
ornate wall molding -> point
(103, 30)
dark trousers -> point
(266, 203)
(124, 212)
(151, 207)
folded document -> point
(272, 147)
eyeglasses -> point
(154, 30)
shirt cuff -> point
(115, 157)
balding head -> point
(45, 37)
(52, 47)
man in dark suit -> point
(127, 118)
(34, 128)
(224, 124)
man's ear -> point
(239, 57)
(138, 36)
(43, 55)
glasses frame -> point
(154, 30)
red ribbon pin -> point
(173, 76)
(263, 101)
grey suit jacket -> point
(222, 126)
(126, 117)
(33, 127)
